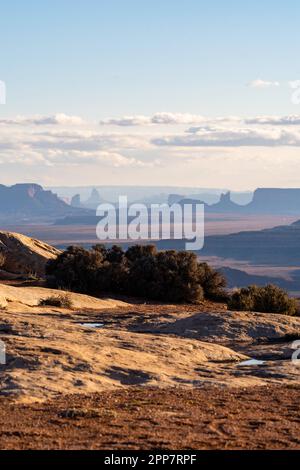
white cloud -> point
(258, 83)
(161, 119)
(88, 141)
(77, 157)
(54, 120)
(127, 121)
(204, 150)
(23, 154)
(237, 137)
(59, 144)
(71, 147)
(292, 120)
(74, 127)
(156, 119)
(177, 118)
(60, 119)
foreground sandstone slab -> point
(20, 299)
(48, 356)
(230, 327)
(52, 352)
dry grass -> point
(61, 301)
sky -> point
(183, 93)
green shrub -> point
(268, 299)
(61, 301)
(141, 271)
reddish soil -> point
(170, 419)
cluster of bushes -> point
(141, 271)
(144, 272)
(268, 299)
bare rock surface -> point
(232, 326)
(53, 351)
(47, 357)
(25, 255)
(20, 299)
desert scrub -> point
(268, 299)
(141, 271)
(61, 301)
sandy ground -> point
(252, 418)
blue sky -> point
(98, 57)
(97, 60)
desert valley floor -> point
(150, 375)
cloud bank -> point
(156, 119)
(238, 137)
(149, 149)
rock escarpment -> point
(24, 255)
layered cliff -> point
(23, 201)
